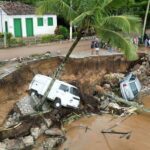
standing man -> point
(92, 47)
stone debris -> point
(50, 143)
(14, 144)
(48, 122)
(25, 106)
(12, 120)
(35, 132)
(54, 132)
(28, 140)
(2, 146)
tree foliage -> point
(97, 15)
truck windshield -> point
(74, 91)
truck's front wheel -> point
(57, 103)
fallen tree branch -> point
(127, 135)
(139, 108)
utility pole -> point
(70, 23)
(145, 19)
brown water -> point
(80, 138)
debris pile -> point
(143, 72)
(25, 125)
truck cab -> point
(61, 93)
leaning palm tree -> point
(94, 15)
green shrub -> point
(61, 30)
(20, 42)
(13, 41)
(58, 37)
(8, 35)
(74, 34)
(16, 42)
(50, 38)
(46, 38)
(1, 35)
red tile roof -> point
(17, 8)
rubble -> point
(54, 132)
(51, 143)
(16, 144)
(49, 124)
(28, 140)
(2, 146)
(35, 132)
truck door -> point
(64, 94)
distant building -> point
(20, 20)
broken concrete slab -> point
(28, 140)
(35, 132)
(25, 106)
(2, 146)
(51, 143)
(14, 144)
(54, 132)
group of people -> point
(146, 40)
(95, 46)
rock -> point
(104, 104)
(43, 127)
(54, 132)
(48, 122)
(35, 132)
(107, 86)
(51, 143)
(28, 140)
(2, 146)
(114, 105)
(136, 67)
(12, 120)
(14, 144)
(99, 89)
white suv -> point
(130, 87)
(62, 93)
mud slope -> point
(87, 71)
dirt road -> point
(56, 48)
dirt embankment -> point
(86, 72)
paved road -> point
(56, 48)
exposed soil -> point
(86, 72)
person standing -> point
(97, 47)
(92, 47)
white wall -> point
(38, 30)
(3, 18)
(45, 29)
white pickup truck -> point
(62, 94)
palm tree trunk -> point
(59, 69)
(145, 20)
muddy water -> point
(81, 138)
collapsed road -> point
(24, 125)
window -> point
(74, 91)
(50, 21)
(133, 77)
(40, 21)
(64, 88)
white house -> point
(20, 20)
